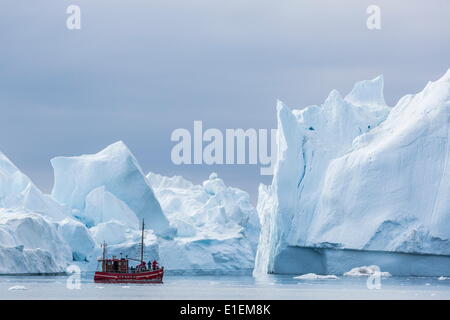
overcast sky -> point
(137, 70)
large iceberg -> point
(217, 226)
(357, 181)
(37, 234)
(103, 198)
(100, 184)
(30, 243)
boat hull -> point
(155, 276)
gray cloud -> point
(139, 69)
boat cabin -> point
(115, 265)
(121, 265)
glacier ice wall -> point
(354, 173)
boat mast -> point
(104, 250)
(104, 256)
(142, 242)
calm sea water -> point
(228, 287)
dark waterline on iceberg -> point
(302, 260)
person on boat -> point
(141, 267)
(155, 265)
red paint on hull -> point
(141, 277)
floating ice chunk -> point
(18, 288)
(313, 276)
(366, 271)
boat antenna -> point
(142, 241)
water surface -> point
(229, 287)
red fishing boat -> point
(118, 270)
